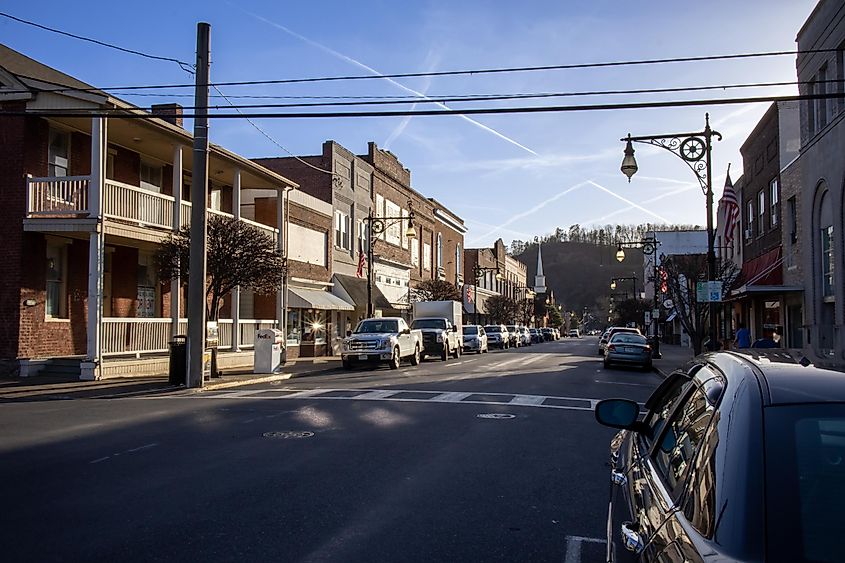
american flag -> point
(731, 206)
(361, 259)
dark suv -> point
(740, 457)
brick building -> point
(491, 271)
(820, 209)
(87, 201)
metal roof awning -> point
(299, 298)
(750, 290)
(356, 289)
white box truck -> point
(440, 323)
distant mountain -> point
(579, 273)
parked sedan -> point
(525, 336)
(629, 349)
(610, 332)
(548, 334)
(536, 336)
(475, 339)
(516, 338)
(739, 458)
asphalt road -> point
(494, 457)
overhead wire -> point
(187, 67)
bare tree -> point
(238, 254)
(436, 290)
(683, 272)
(501, 309)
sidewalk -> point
(58, 388)
(674, 357)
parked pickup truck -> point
(383, 339)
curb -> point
(211, 386)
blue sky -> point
(509, 176)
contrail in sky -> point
(629, 208)
(628, 201)
(534, 209)
(377, 73)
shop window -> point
(150, 177)
(56, 278)
(58, 153)
(294, 327)
(314, 326)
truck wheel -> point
(415, 359)
(444, 355)
(397, 358)
(347, 364)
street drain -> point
(289, 434)
(496, 415)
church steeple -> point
(539, 279)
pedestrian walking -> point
(743, 337)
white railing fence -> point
(134, 336)
(136, 204)
(57, 196)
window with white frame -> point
(216, 202)
(380, 211)
(749, 228)
(426, 256)
(415, 252)
(774, 203)
(439, 250)
(342, 226)
(56, 278)
(362, 236)
(458, 265)
(150, 177)
(404, 229)
(827, 261)
(58, 153)
(761, 212)
(393, 228)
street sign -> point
(668, 303)
(708, 292)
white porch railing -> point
(129, 335)
(271, 231)
(57, 196)
(147, 208)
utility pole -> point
(199, 193)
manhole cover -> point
(496, 415)
(289, 434)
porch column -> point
(176, 284)
(93, 357)
(236, 293)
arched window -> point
(824, 271)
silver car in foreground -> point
(629, 349)
(475, 339)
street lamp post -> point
(649, 246)
(694, 149)
(376, 226)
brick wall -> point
(791, 187)
(311, 181)
(124, 282)
(127, 166)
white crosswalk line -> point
(452, 397)
(381, 394)
(527, 400)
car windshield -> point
(492, 329)
(468, 330)
(627, 338)
(805, 481)
(377, 326)
(429, 323)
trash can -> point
(269, 351)
(178, 369)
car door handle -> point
(618, 478)
(631, 538)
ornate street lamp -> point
(694, 149)
(376, 226)
(649, 246)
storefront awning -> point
(299, 298)
(766, 269)
(356, 289)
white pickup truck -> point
(382, 339)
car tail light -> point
(648, 348)
(611, 347)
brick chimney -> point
(171, 113)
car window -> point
(430, 323)
(661, 404)
(805, 481)
(481, 331)
(492, 329)
(681, 437)
(627, 338)
(470, 330)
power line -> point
(460, 72)
(271, 139)
(125, 114)
(501, 97)
(185, 66)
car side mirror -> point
(454, 329)
(348, 333)
(619, 413)
(406, 331)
